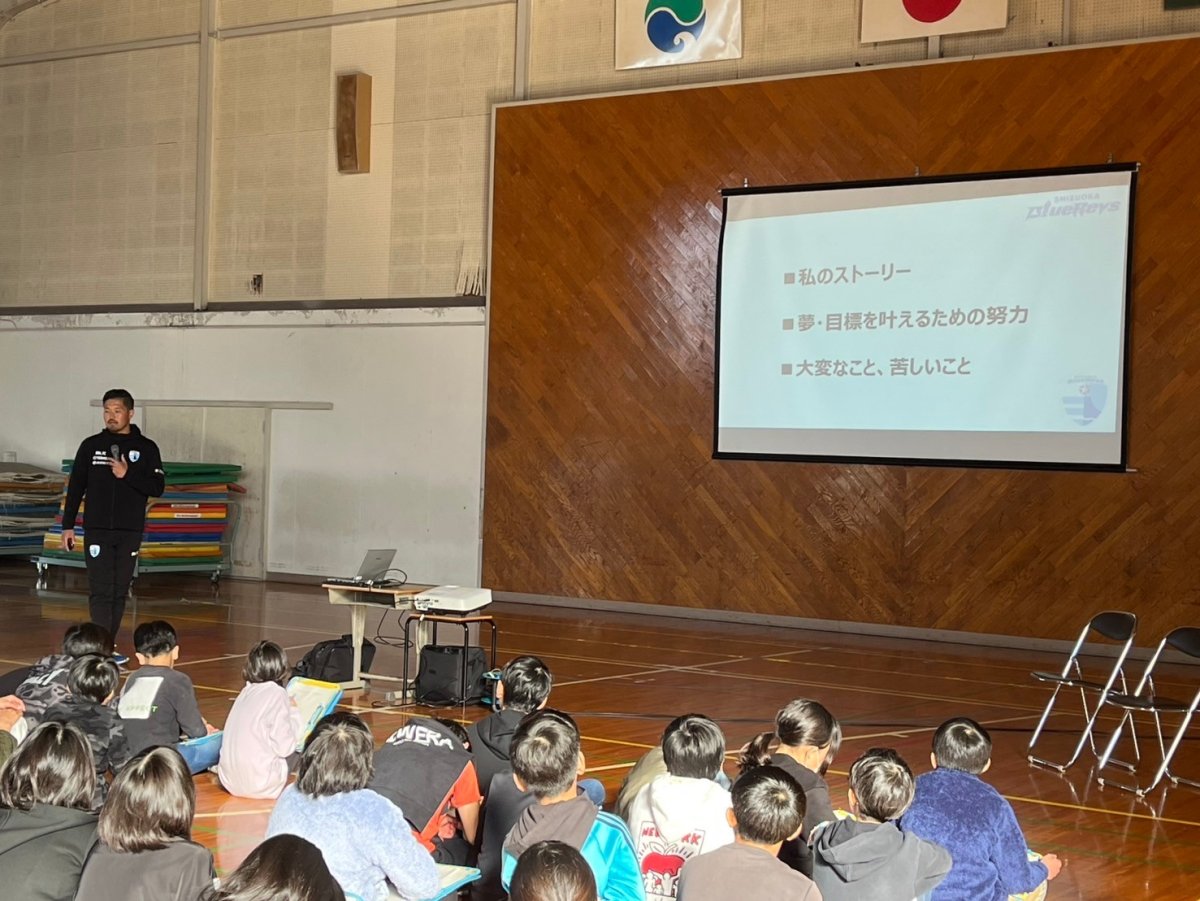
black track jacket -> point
(114, 503)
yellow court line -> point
(234, 813)
(17, 662)
(1129, 814)
(609, 768)
(226, 691)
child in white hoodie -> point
(684, 813)
(263, 728)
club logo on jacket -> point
(94, 550)
(134, 456)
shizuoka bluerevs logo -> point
(667, 21)
(1085, 398)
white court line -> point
(291, 647)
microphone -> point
(115, 452)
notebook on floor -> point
(316, 700)
(450, 880)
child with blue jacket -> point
(956, 809)
(546, 761)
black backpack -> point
(333, 660)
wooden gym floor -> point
(625, 676)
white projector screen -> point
(976, 320)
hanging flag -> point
(671, 32)
(894, 20)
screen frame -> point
(1133, 168)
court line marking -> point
(234, 813)
(291, 647)
(870, 691)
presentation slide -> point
(976, 319)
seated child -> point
(46, 683)
(768, 809)
(262, 729)
(552, 871)
(524, 687)
(364, 838)
(158, 704)
(12, 713)
(803, 745)
(283, 868)
(424, 769)
(867, 857)
(959, 811)
(547, 761)
(146, 852)
(93, 682)
(46, 824)
(681, 814)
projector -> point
(452, 599)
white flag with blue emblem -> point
(671, 32)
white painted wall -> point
(396, 462)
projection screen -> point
(977, 320)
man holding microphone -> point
(117, 470)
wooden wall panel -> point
(599, 476)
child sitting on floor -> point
(768, 809)
(546, 761)
(93, 682)
(682, 813)
(262, 729)
(46, 683)
(146, 852)
(158, 703)
(959, 811)
(866, 857)
(424, 769)
(803, 745)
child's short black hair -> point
(545, 753)
(457, 730)
(154, 638)
(118, 394)
(93, 677)
(693, 746)
(266, 662)
(883, 784)
(962, 744)
(527, 682)
(86, 638)
(552, 871)
(768, 805)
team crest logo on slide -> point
(668, 21)
(94, 550)
(134, 456)
(929, 11)
(1085, 398)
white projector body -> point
(453, 599)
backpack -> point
(333, 660)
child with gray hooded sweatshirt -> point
(868, 858)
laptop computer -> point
(374, 567)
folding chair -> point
(1113, 626)
(1145, 699)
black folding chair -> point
(1112, 626)
(1145, 699)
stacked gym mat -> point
(185, 528)
(29, 501)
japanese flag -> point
(894, 20)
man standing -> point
(117, 470)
